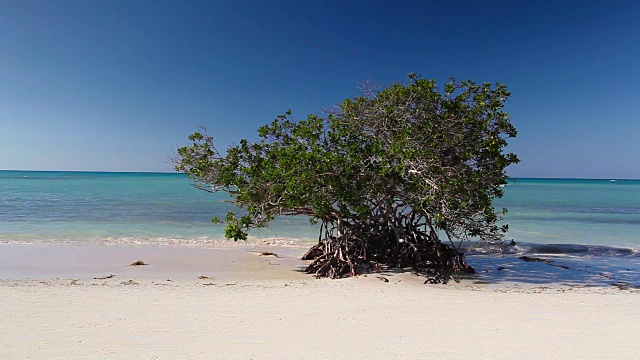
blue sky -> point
(118, 85)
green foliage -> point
(413, 148)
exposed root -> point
(369, 245)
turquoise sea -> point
(101, 207)
(572, 217)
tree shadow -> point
(499, 269)
(563, 270)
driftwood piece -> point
(138, 263)
(104, 277)
(268, 253)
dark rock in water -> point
(530, 259)
(545, 261)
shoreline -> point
(243, 262)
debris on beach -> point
(268, 253)
(623, 285)
(202, 277)
(138, 263)
(440, 279)
(383, 278)
(104, 277)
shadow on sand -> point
(545, 270)
(621, 271)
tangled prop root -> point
(365, 248)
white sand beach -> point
(192, 303)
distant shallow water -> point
(76, 207)
(573, 211)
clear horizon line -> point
(98, 171)
(176, 172)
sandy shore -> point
(258, 307)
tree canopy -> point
(388, 176)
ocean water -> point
(97, 207)
(39, 206)
(567, 218)
(573, 211)
(588, 231)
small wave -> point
(163, 241)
